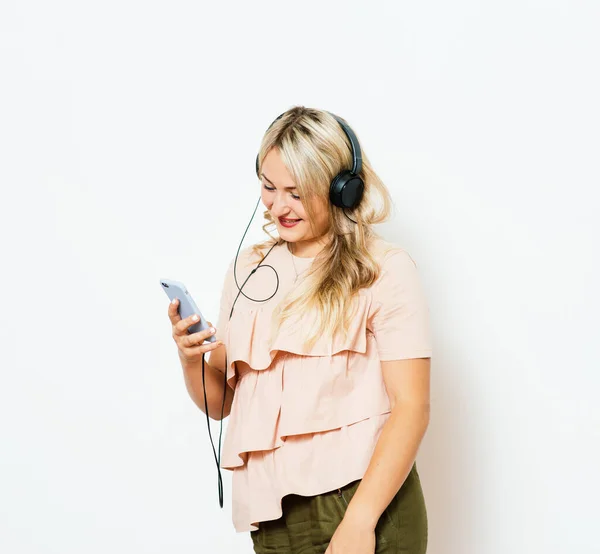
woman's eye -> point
(272, 189)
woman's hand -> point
(352, 538)
(190, 346)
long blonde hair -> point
(314, 148)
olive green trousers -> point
(309, 522)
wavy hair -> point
(314, 148)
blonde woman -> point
(324, 331)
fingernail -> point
(174, 301)
(195, 317)
(212, 329)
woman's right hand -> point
(190, 345)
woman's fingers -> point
(181, 327)
(202, 349)
(191, 345)
(173, 312)
(194, 353)
(196, 339)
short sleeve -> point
(400, 319)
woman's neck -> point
(306, 249)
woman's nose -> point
(280, 204)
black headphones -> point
(347, 187)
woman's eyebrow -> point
(286, 188)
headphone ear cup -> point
(346, 190)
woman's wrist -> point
(360, 515)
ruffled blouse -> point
(307, 422)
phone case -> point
(187, 306)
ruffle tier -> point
(306, 465)
(247, 337)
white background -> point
(128, 135)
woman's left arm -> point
(407, 384)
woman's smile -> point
(289, 222)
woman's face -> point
(284, 203)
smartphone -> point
(187, 306)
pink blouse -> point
(307, 422)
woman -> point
(327, 353)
